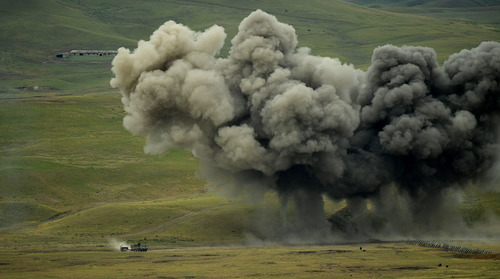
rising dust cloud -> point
(398, 142)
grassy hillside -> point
(427, 3)
(68, 170)
(69, 153)
(71, 174)
(32, 32)
(485, 12)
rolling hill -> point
(32, 32)
(68, 170)
(485, 12)
(427, 3)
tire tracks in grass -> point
(172, 222)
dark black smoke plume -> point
(392, 141)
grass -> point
(73, 179)
(34, 31)
(12, 212)
(64, 148)
(426, 3)
(70, 170)
(483, 15)
(54, 147)
(159, 220)
(340, 261)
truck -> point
(134, 248)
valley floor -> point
(376, 260)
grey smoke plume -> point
(274, 117)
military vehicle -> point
(134, 248)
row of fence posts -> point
(447, 247)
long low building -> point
(87, 52)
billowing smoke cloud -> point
(392, 140)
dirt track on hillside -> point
(171, 222)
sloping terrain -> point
(426, 3)
(32, 32)
(68, 170)
(485, 12)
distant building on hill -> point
(87, 52)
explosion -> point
(396, 141)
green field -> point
(74, 183)
(386, 260)
(34, 31)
